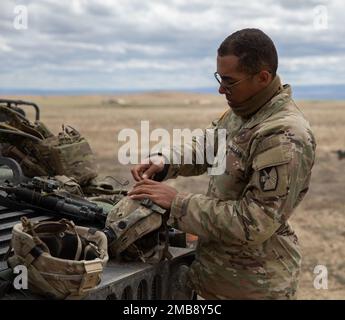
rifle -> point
(44, 194)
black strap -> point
(110, 234)
(36, 251)
(166, 253)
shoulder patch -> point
(272, 170)
(272, 142)
(272, 157)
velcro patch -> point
(272, 157)
(268, 179)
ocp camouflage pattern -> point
(247, 248)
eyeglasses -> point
(227, 85)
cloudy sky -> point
(171, 44)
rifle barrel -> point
(60, 205)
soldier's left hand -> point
(158, 192)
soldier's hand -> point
(147, 170)
(158, 192)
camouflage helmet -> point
(135, 229)
(63, 260)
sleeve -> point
(280, 174)
(197, 149)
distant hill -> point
(317, 92)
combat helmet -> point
(137, 230)
(64, 261)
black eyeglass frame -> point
(231, 85)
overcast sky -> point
(137, 44)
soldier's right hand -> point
(149, 168)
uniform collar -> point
(272, 106)
(249, 107)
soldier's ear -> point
(264, 77)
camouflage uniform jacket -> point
(246, 247)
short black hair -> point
(254, 48)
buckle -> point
(91, 278)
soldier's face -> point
(227, 67)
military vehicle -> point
(120, 280)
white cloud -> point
(4, 47)
(160, 44)
(314, 70)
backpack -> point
(41, 153)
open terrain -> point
(319, 220)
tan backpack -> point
(40, 153)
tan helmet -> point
(137, 229)
(63, 260)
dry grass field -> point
(319, 220)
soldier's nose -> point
(221, 90)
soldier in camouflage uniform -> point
(246, 247)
